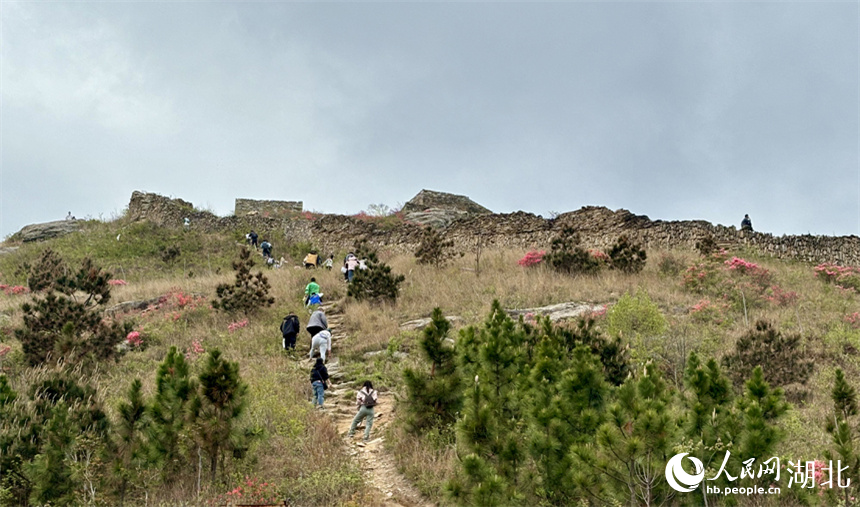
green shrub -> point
(567, 256)
(626, 256)
(433, 249)
(781, 358)
(248, 293)
(635, 316)
(377, 283)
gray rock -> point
(47, 230)
(561, 311)
(7, 249)
(419, 324)
(429, 199)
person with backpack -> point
(290, 329)
(319, 382)
(746, 224)
(267, 248)
(253, 237)
(366, 399)
(311, 289)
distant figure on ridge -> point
(746, 224)
(69, 216)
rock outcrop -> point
(440, 209)
(47, 230)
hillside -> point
(680, 303)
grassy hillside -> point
(705, 306)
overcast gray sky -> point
(675, 110)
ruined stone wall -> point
(598, 228)
(266, 208)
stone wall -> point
(598, 228)
(266, 208)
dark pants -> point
(289, 341)
(313, 330)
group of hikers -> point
(321, 343)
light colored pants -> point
(320, 343)
(365, 413)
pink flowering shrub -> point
(174, 305)
(599, 256)
(756, 274)
(250, 492)
(853, 320)
(237, 325)
(781, 297)
(844, 277)
(307, 215)
(134, 340)
(709, 312)
(532, 258)
(14, 290)
(194, 351)
(117, 282)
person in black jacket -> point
(290, 329)
(319, 382)
(746, 224)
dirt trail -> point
(390, 488)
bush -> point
(635, 316)
(376, 283)
(670, 265)
(567, 256)
(433, 249)
(626, 256)
(706, 246)
(248, 293)
(780, 357)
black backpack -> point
(290, 325)
(369, 400)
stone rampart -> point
(598, 228)
(266, 208)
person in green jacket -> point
(311, 289)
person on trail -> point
(746, 224)
(322, 342)
(366, 400)
(319, 382)
(290, 329)
(317, 322)
(351, 263)
(329, 263)
(267, 248)
(311, 289)
(311, 260)
(253, 237)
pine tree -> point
(130, 450)
(781, 357)
(248, 293)
(567, 256)
(168, 414)
(626, 256)
(492, 420)
(760, 409)
(216, 409)
(57, 326)
(433, 249)
(434, 400)
(842, 428)
(625, 464)
(377, 283)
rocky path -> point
(390, 488)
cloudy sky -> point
(675, 110)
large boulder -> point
(47, 230)
(440, 209)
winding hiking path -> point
(390, 488)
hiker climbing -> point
(322, 343)
(289, 330)
(350, 263)
(252, 237)
(319, 381)
(329, 262)
(311, 260)
(366, 400)
(317, 322)
(746, 224)
(267, 249)
(312, 289)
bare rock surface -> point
(47, 230)
(561, 311)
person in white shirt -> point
(366, 400)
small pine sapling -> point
(567, 256)
(433, 249)
(248, 293)
(377, 283)
(626, 256)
